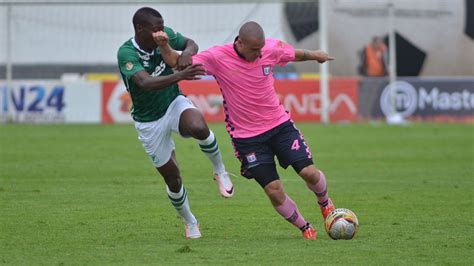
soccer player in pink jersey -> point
(256, 121)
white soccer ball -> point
(342, 224)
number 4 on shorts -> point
(296, 145)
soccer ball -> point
(342, 224)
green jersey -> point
(148, 105)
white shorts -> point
(156, 135)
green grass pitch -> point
(82, 194)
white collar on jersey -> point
(140, 49)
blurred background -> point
(58, 58)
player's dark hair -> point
(143, 14)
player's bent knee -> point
(309, 171)
(310, 174)
(275, 192)
(198, 130)
(192, 124)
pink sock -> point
(290, 212)
(320, 189)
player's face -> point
(155, 24)
(251, 49)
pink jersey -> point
(251, 105)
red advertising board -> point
(116, 103)
(300, 97)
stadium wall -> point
(352, 99)
(79, 37)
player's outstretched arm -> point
(149, 83)
(170, 56)
(317, 55)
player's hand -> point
(184, 60)
(192, 72)
(322, 56)
(160, 38)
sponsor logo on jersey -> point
(266, 70)
(159, 69)
(145, 57)
(129, 65)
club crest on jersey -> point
(129, 65)
(251, 157)
(266, 70)
(281, 44)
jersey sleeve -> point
(128, 62)
(176, 40)
(207, 59)
(282, 51)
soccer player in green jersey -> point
(159, 107)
